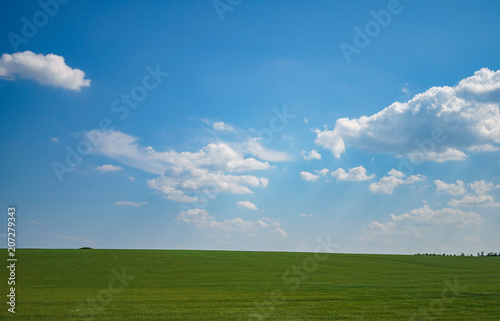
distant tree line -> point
(462, 254)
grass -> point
(219, 285)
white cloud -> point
(309, 177)
(451, 189)
(132, 179)
(322, 172)
(474, 200)
(446, 216)
(54, 139)
(353, 174)
(203, 181)
(218, 157)
(184, 172)
(201, 219)
(277, 233)
(204, 170)
(313, 154)
(48, 70)
(247, 204)
(438, 124)
(387, 184)
(404, 89)
(305, 215)
(222, 126)
(306, 121)
(108, 168)
(123, 148)
(417, 222)
(481, 198)
(481, 187)
(254, 147)
(450, 154)
(133, 204)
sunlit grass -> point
(218, 285)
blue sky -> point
(248, 125)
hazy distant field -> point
(215, 285)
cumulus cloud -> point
(219, 157)
(133, 204)
(313, 154)
(353, 174)
(309, 177)
(209, 171)
(387, 184)
(202, 219)
(481, 187)
(247, 204)
(479, 198)
(437, 125)
(48, 70)
(203, 181)
(451, 189)
(108, 168)
(222, 126)
(417, 221)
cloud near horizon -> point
(416, 222)
(437, 125)
(48, 70)
(201, 219)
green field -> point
(219, 285)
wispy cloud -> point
(133, 204)
(108, 168)
(254, 147)
(125, 149)
(203, 220)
